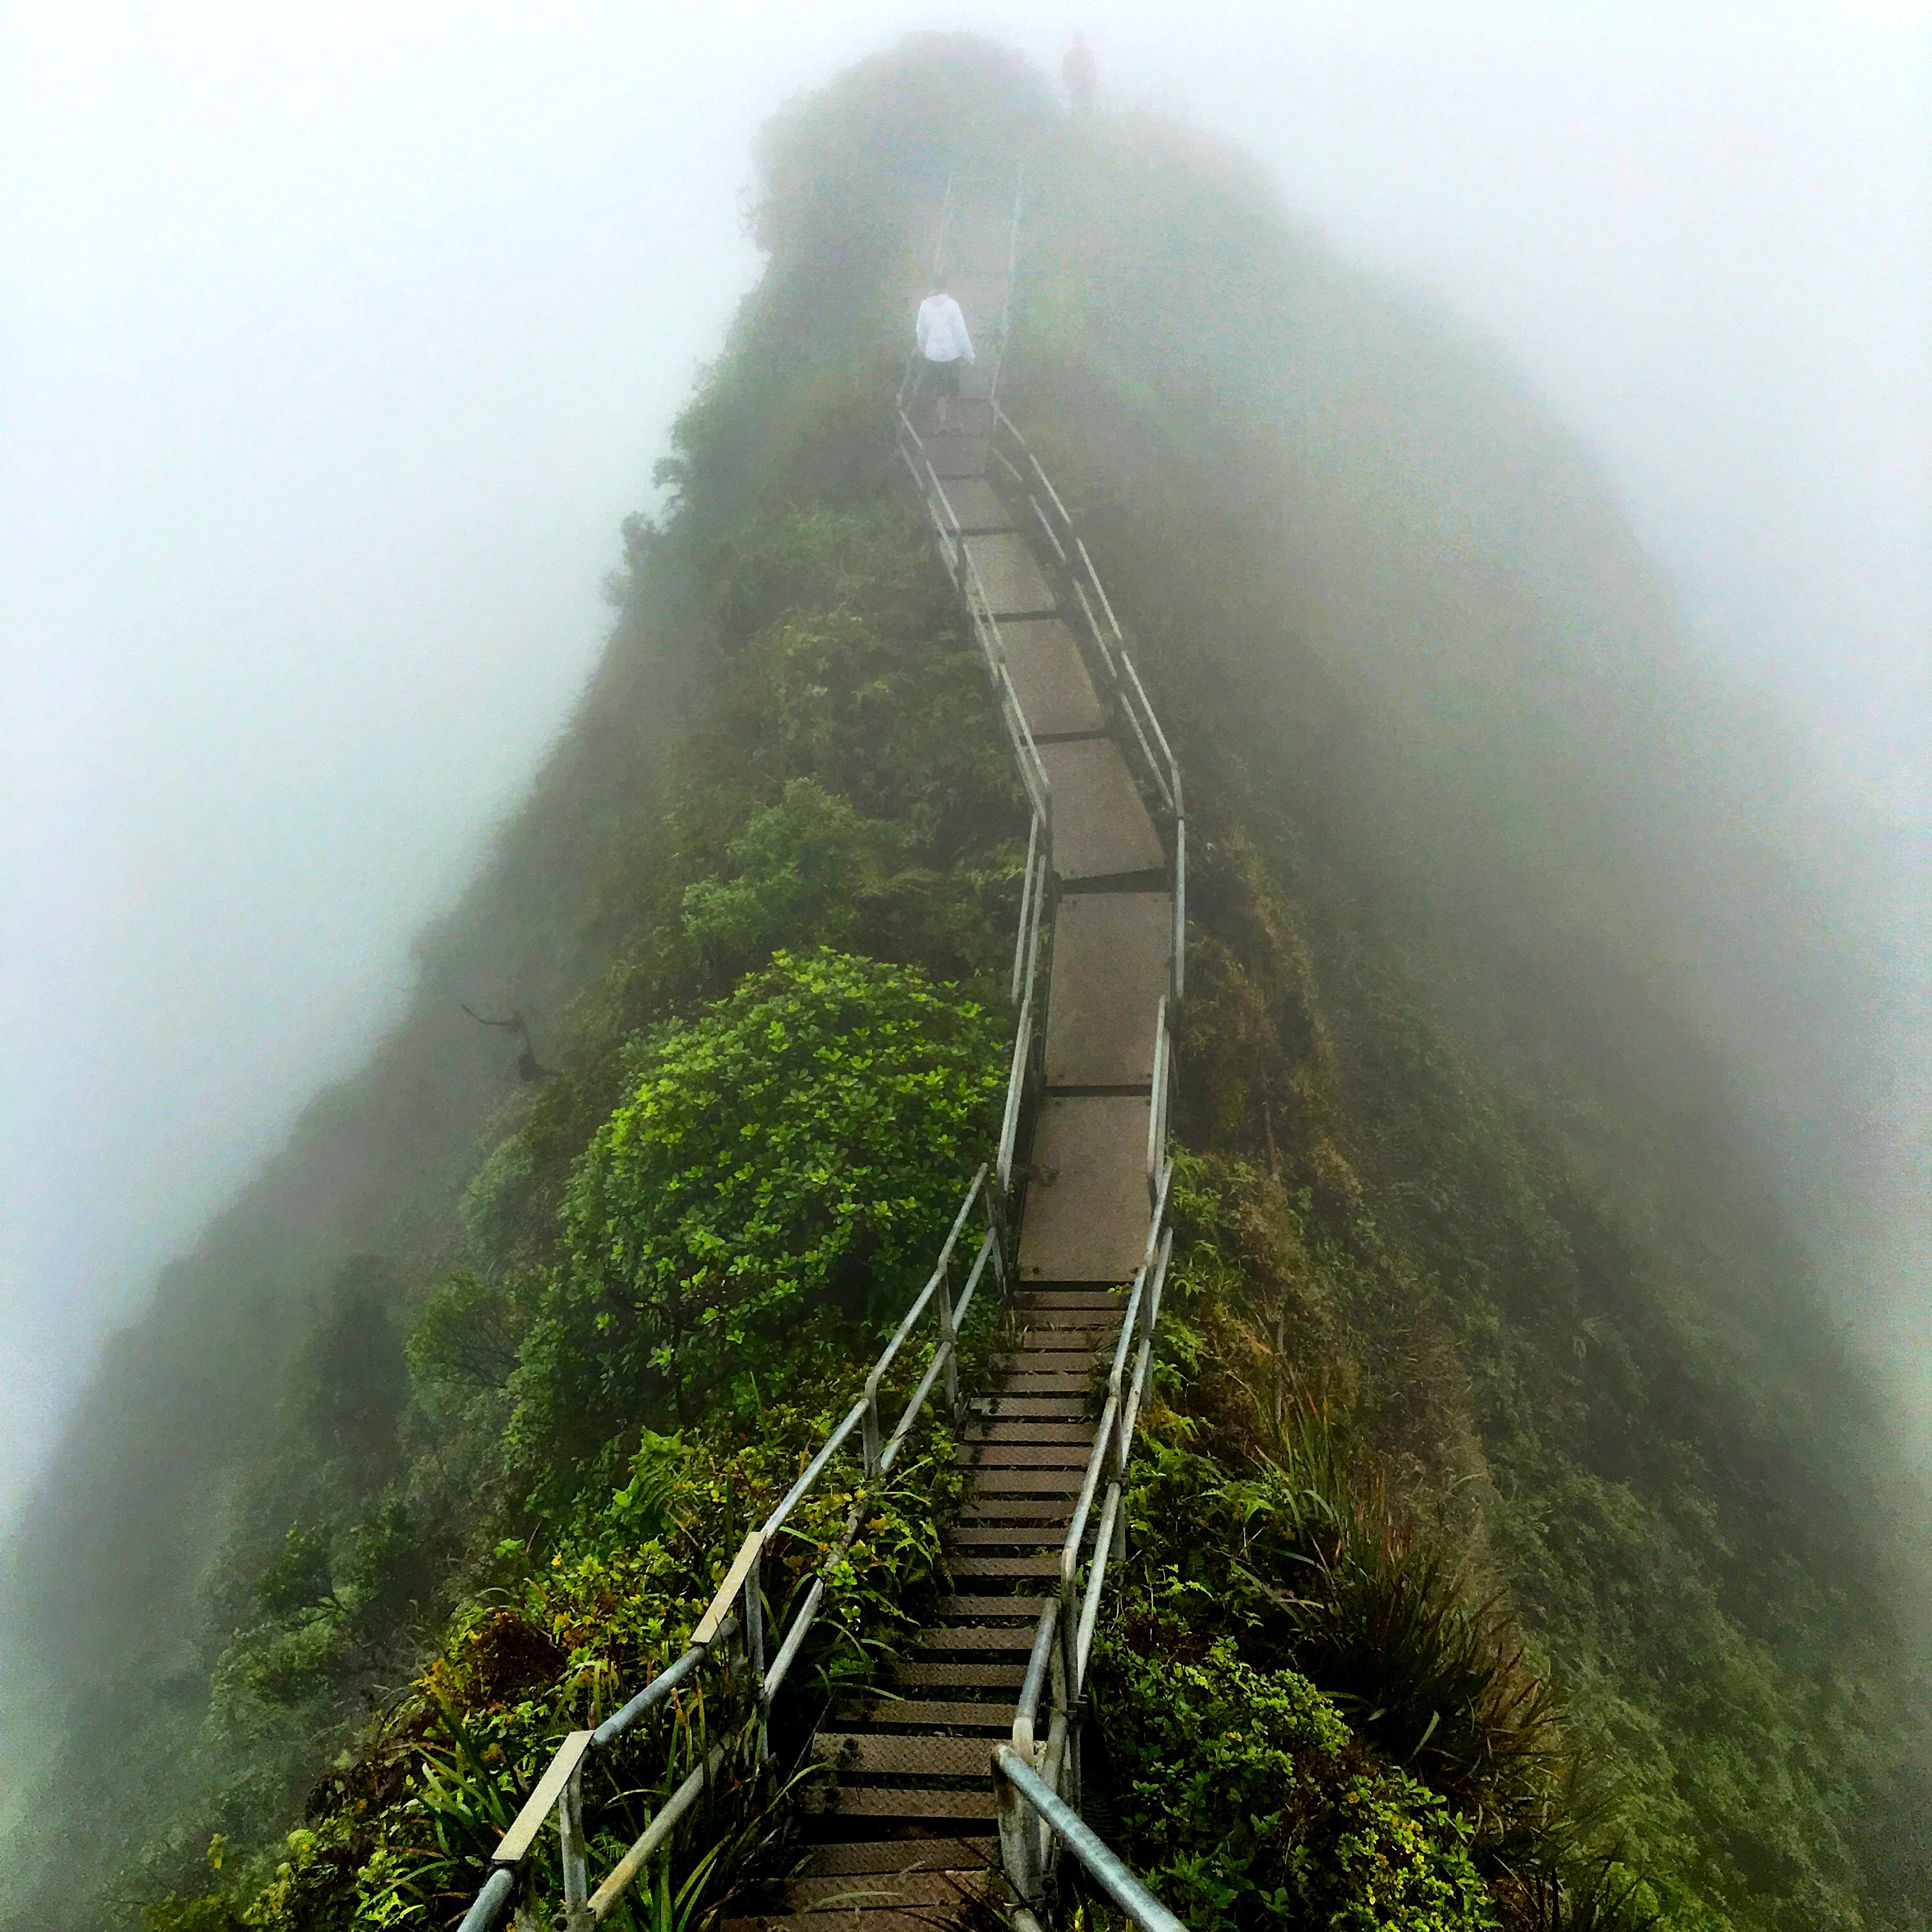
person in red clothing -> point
(1081, 74)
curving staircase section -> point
(951, 1788)
(906, 1828)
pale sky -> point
(335, 344)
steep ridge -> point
(902, 1827)
(1391, 1224)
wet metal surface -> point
(1056, 694)
(973, 501)
(1009, 574)
(1087, 1201)
(1110, 967)
(1100, 827)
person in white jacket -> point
(943, 345)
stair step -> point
(1010, 576)
(850, 1891)
(879, 1754)
(955, 455)
(904, 1713)
(1023, 1455)
(1111, 955)
(1015, 1641)
(1059, 1300)
(1008, 1536)
(922, 1673)
(978, 507)
(1050, 678)
(1019, 1509)
(1049, 1378)
(1015, 1606)
(898, 1855)
(1005, 1566)
(993, 1481)
(1022, 1430)
(872, 1801)
(890, 1919)
(1101, 830)
(1034, 1408)
(1086, 1213)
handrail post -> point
(1019, 1846)
(949, 1340)
(574, 1851)
(1156, 1105)
(868, 1429)
(1180, 959)
(753, 1619)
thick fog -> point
(335, 343)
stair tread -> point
(865, 1801)
(1043, 1407)
(1020, 1509)
(1022, 1431)
(974, 1636)
(924, 1673)
(863, 1892)
(897, 1855)
(880, 1753)
(1005, 1566)
(1023, 1455)
(886, 1918)
(993, 1479)
(1063, 1296)
(906, 1712)
(985, 1535)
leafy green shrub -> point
(465, 1338)
(792, 1156)
(802, 867)
(1247, 1801)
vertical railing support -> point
(574, 1852)
(949, 1340)
(868, 1428)
(752, 1621)
(1019, 1843)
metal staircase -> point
(956, 1779)
(911, 1825)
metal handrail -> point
(1119, 676)
(560, 1789)
(1068, 1623)
(1015, 1775)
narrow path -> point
(904, 1831)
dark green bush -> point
(793, 1157)
(1246, 1797)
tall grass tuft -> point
(1427, 1672)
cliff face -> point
(1524, 1053)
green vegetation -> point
(1503, 1541)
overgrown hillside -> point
(1509, 1512)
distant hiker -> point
(943, 344)
(1082, 73)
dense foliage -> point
(1503, 1530)
(774, 1166)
